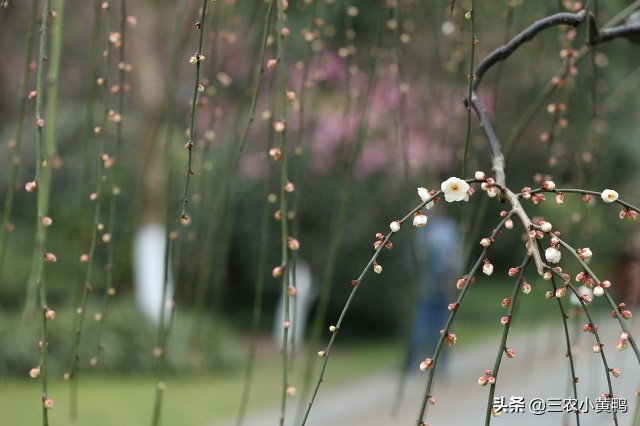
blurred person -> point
(439, 251)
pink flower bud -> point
(424, 365)
(486, 242)
(605, 284)
(506, 302)
(584, 253)
(504, 320)
(526, 288)
(615, 372)
(510, 353)
(508, 224)
(559, 198)
(278, 271)
(514, 271)
(561, 292)
(293, 244)
(50, 258)
(30, 186)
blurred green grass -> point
(188, 400)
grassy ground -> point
(122, 401)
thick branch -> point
(504, 51)
(497, 158)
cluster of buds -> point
(589, 328)
(380, 240)
(536, 198)
(627, 213)
(489, 186)
(487, 379)
(624, 313)
(508, 223)
(198, 57)
(586, 279)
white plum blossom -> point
(454, 189)
(423, 193)
(487, 268)
(608, 196)
(420, 220)
(552, 254)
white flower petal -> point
(609, 195)
(454, 189)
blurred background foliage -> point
(593, 144)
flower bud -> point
(510, 353)
(419, 220)
(293, 243)
(545, 226)
(322, 354)
(486, 242)
(596, 349)
(482, 381)
(394, 226)
(479, 175)
(584, 253)
(615, 372)
(621, 345)
(424, 365)
(526, 288)
(487, 268)
(34, 373)
(377, 268)
(598, 291)
(277, 271)
(548, 185)
(508, 224)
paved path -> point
(540, 370)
